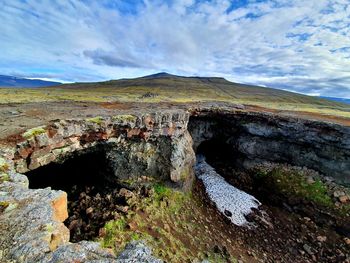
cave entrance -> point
(216, 150)
(91, 186)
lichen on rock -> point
(33, 132)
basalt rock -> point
(152, 145)
(32, 228)
(254, 138)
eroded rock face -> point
(136, 144)
(157, 145)
(257, 137)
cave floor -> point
(183, 227)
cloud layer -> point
(303, 46)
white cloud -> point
(298, 45)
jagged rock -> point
(137, 252)
(258, 137)
(144, 146)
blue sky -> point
(298, 45)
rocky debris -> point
(301, 232)
(230, 201)
(148, 95)
(84, 251)
(137, 252)
(94, 207)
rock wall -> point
(32, 228)
(157, 145)
(137, 145)
(259, 137)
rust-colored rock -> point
(59, 206)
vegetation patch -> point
(33, 132)
(97, 120)
(293, 182)
(4, 177)
(3, 165)
(170, 222)
(124, 118)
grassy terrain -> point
(293, 183)
(176, 89)
(172, 223)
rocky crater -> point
(101, 156)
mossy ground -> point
(172, 223)
(291, 182)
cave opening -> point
(91, 186)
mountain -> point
(160, 75)
(168, 87)
(347, 101)
(10, 81)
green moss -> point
(11, 206)
(33, 132)
(4, 177)
(161, 191)
(4, 204)
(3, 165)
(113, 230)
(170, 222)
(98, 120)
(49, 228)
(293, 183)
(124, 118)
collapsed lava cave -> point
(232, 144)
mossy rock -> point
(3, 165)
(4, 177)
(97, 120)
(33, 132)
(124, 118)
(291, 182)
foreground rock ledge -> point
(32, 228)
(31, 221)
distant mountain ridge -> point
(11, 81)
(347, 101)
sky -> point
(297, 45)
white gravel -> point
(225, 196)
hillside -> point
(163, 87)
(10, 81)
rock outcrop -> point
(32, 228)
(156, 145)
(258, 137)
